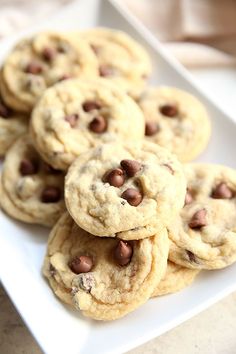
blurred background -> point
(201, 34)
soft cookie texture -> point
(120, 58)
(87, 272)
(175, 120)
(30, 190)
(39, 62)
(204, 234)
(175, 279)
(128, 190)
(12, 125)
(76, 115)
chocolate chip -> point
(191, 256)
(28, 167)
(5, 112)
(123, 253)
(106, 70)
(72, 119)
(131, 167)
(222, 191)
(48, 54)
(90, 105)
(198, 219)
(169, 110)
(34, 68)
(133, 196)
(115, 177)
(51, 195)
(98, 125)
(81, 264)
(151, 128)
(188, 198)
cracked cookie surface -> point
(120, 58)
(175, 120)
(83, 270)
(204, 235)
(175, 279)
(76, 115)
(39, 62)
(129, 190)
(31, 190)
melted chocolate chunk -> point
(123, 253)
(28, 167)
(98, 125)
(133, 196)
(198, 219)
(169, 110)
(131, 167)
(51, 195)
(81, 264)
(222, 191)
(151, 128)
(115, 177)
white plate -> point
(57, 328)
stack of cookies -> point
(94, 153)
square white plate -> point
(57, 328)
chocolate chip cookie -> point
(120, 58)
(129, 190)
(175, 279)
(12, 125)
(31, 190)
(204, 235)
(76, 115)
(105, 278)
(39, 62)
(175, 120)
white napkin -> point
(19, 14)
(198, 32)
